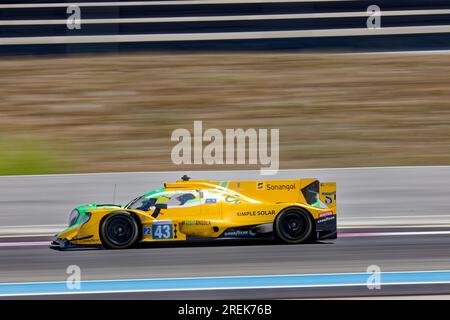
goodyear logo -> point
(322, 220)
(239, 233)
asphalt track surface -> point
(352, 252)
(396, 218)
(39, 27)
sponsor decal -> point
(196, 223)
(210, 201)
(239, 233)
(283, 187)
(328, 200)
(232, 199)
(330, 218)
(260, 185)
(325, 214)
(257, 213)
(329, 193)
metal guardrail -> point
(41, 27)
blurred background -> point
(359, 90)
(117, 112)
(78, 101)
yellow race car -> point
(293, 211)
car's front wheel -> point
(293, 225)
(119, 230)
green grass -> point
(27, 155)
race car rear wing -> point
(328, 193)
(323, 191)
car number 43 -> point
(162, 231)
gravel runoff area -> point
(117, 112)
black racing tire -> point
(293, 225)
(119, 230)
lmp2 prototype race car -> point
(293, 211)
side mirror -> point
(161, 206)
(158, 207)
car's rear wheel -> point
(293, 225)
(119, 230)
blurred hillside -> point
(117, 112)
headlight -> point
(73, 217)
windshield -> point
(146, 201)
(142, 203)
